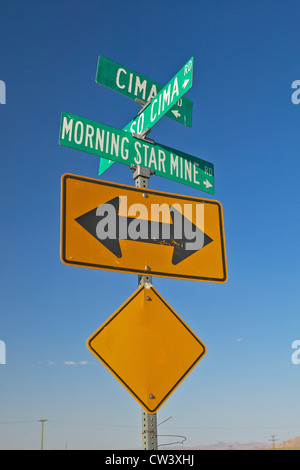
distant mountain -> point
(224, 446)
(290, 444)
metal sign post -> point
(149, 426)
(141, 176)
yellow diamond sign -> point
(147, 347)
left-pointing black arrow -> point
(106, 225)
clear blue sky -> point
(246, 56)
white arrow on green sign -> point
(120, 146)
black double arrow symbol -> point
(176, 238)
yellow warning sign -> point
(141, 231)
(147, 347)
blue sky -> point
(244, 122)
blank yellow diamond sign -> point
(147, 347)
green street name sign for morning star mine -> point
(120, 146)
(138, 87)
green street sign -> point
(135, 86)
(120, 146)
(163, 101)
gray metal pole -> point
(149, 426)
(141, 176)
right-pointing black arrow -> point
(106, 225)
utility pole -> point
(273, 440)
(42, 439)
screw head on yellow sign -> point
(147, 347)
(141, 231)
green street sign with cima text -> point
(136, 86)
(163, 101)
(120, 146)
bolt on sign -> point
(141, 231)
(147, 347)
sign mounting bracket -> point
(142, 103)
(143, 136)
